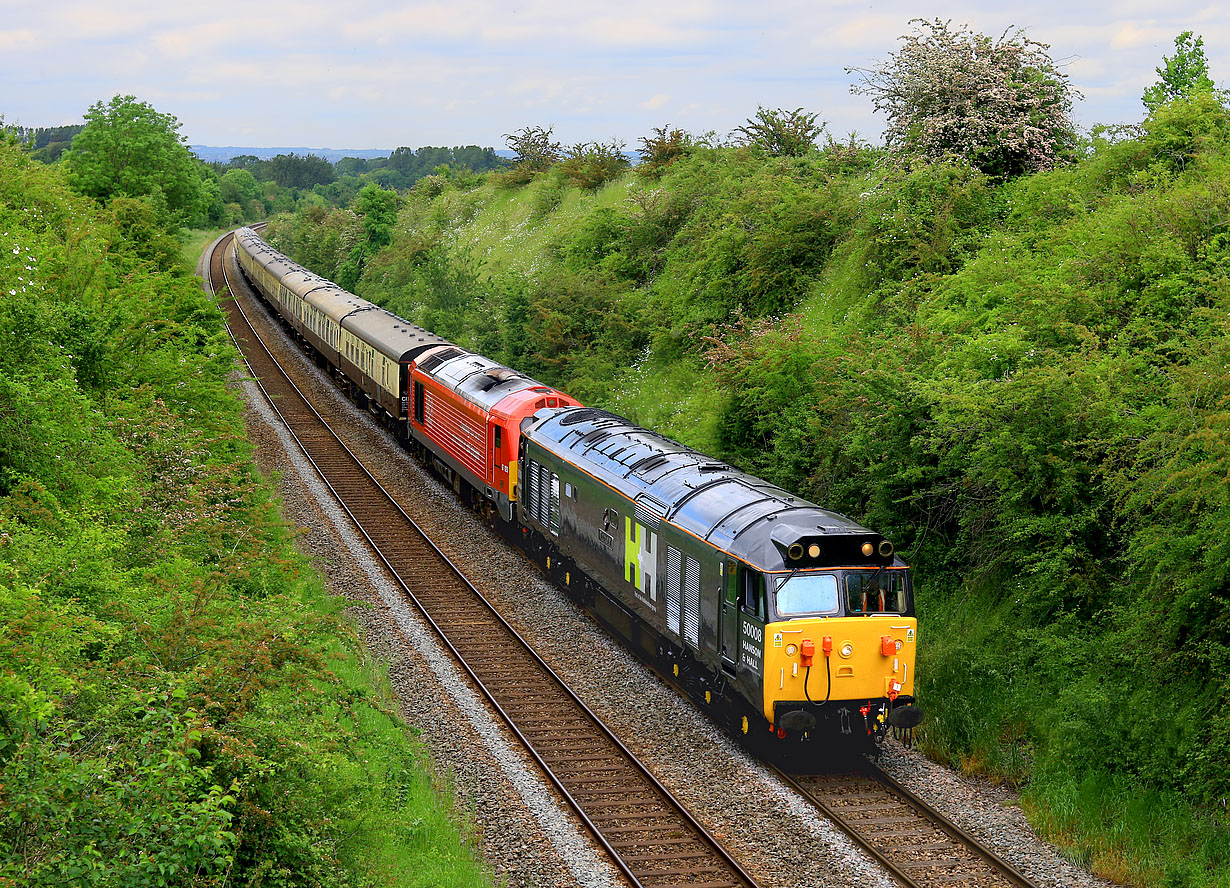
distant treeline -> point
(46, 143)
(401, 169)
(248, 187)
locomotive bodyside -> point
(744, 588)
(467, 411)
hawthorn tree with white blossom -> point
(1002, 105)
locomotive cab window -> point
(875, 592)
(807, 594)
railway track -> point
(917, 844)
(649, 835)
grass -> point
(1129, 835)
(194, 241)
(515, 229)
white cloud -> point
(438, 72)
(21, 38)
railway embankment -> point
(181, 702)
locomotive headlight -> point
(868, 549)
(791, 650)
(847, 649)
(813, 551)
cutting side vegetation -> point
(181, 703)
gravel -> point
(518, 822)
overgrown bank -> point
(1024, 383)
(180, 701)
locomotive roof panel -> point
(734, 511)
(390, 334)
(483, 381)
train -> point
(791, 624)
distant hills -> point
(215, 154)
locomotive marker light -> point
(847, 649)
(795, 552)
(868, 549)
(813, 551)
(886, 548)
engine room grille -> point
(691, 601)
(674, 564)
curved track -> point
(649, 835)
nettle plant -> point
(1002, 105)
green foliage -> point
(179, 702)
(661, 149)
(781, 133)
(1184, 128)
(1182, 75)
(127, 148)
(377, 211)
(591, 164)
(535, 152)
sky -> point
(368, 74)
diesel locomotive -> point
(785, 620)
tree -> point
(238, 186)
(377, 209)
(660, 150)
(1183, 74)
(1001, 105)
(534, 148)
(781, 133)
(128, 148)
(294, 171)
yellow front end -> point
(871, 658)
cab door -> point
(753, 613)
(729, 640)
